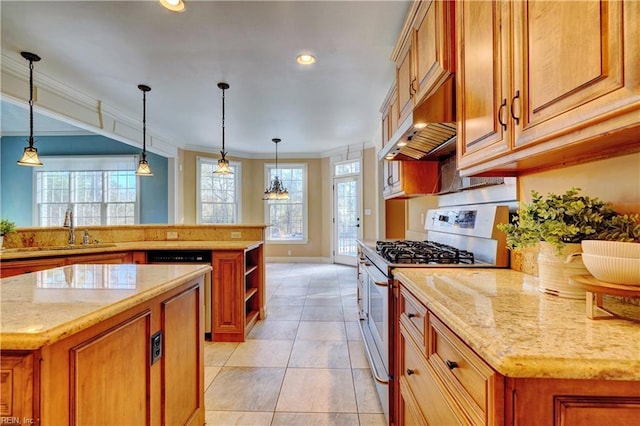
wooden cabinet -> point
(18, 398)
(424, 54)
(389, 112)
(105, 258)
(563, 85)
(402, 179)
(9, 268)
(238, 293)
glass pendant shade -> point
(143, 165)
(223, 164)
(30, 157)
(30, 154)
(276, 191)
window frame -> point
(85, 163)
(305, 201)
(200, 160)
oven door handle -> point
(374, 370)
(378, 278)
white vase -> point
(555, 270)
(1, 242)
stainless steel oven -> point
(457, 237)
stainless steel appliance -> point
(456, 237)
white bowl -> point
(611, 248)
(617, 270)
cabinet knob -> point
(502, 105)
(411, 315)
(451, 364)
(410, 372)
(513, 101)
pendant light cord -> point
(31, 103)
(223, 121)
(144, 125)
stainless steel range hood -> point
(429, 132)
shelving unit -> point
(238, 292)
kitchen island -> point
(107, 344)
(485, 346)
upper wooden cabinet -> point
(404, 179)
(543, 83)
(424, 54)
(389, 112)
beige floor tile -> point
(287, 300)
(291, 291)
(315, 419)
(217, 353)
(321, 330)
(323, 300)
(322, 313)
(274, 330)
(357, 355)
(353, 330)
(209, 374)
(283, 313)
(239, 418)
(319, 354)
(350, 313)
(261, 353)
(244, 389)
(372, 419)
(366, 394)
(317, 390)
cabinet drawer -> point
(413, 315)
(468, 377)
(421, 386)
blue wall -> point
(16, 182)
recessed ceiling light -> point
(306, 59)
(173, 5)
(420, 125)
(402, 143)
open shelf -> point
(249, 293)
(251, 318)
(250, 269)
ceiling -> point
(104, 49)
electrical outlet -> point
(156, 347)
(288, 252)
(172, 235)
(236, 235)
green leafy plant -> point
(6, 226)
(568, 218)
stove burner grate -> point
(422, 252)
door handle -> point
(513, 101)
(502, 123)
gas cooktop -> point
(422, 252)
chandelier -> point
(143, 165)
(223, 163)
(276, 191)
(30, 154)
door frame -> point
(341, 259)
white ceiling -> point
(106, 48)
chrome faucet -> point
(68, 223)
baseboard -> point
(292, 259)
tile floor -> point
(304, 364)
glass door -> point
(347, 226)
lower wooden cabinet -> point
(18, 397)
(9, 268)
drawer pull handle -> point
(410, 315)
(410, 372)
(451, 364)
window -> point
(100, 190)
(347, 168)
(288, 218)
(218, 196)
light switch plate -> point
(172, 235)
(236, 235)
(156, 347)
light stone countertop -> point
(13, 254)
(43, 307)
(521, 332)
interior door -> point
(347, 223)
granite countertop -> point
(521, 332)
(43, 307)
(29, 253)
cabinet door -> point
(433, 40)
(109, 258)
(10, 268)
(482, 80)
(576, 66)
(228, 296)
(16, 386)
(406, 83)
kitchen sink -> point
(52, 248)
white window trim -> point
(238, 187)
(305, 203)
(74, 163)
(338, 163)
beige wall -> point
(370, 194)
(614, 180)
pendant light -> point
(276, 191)
(143, 165)
(223, 163)
(30, 154)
